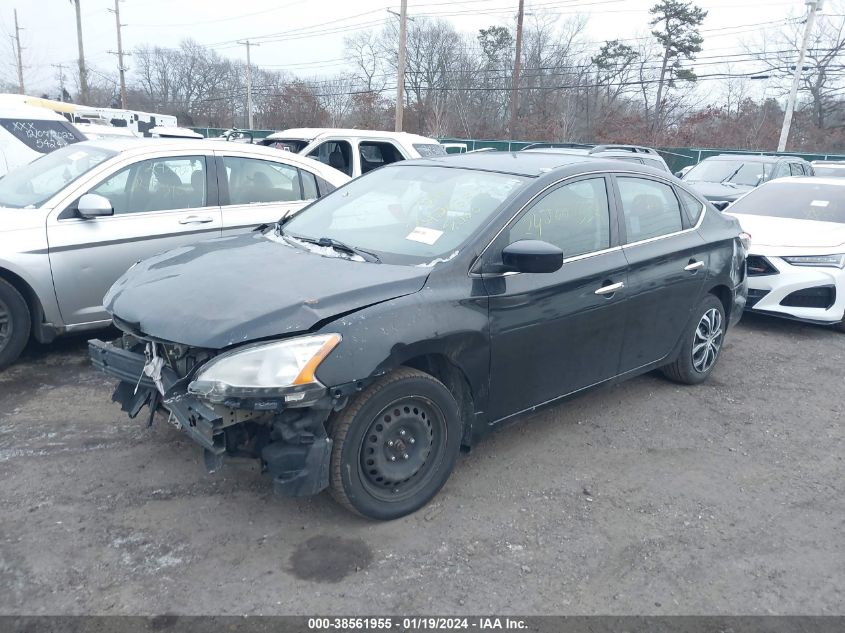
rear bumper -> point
(294, 447)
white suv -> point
(354, 152)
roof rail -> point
(557, 146)
(637, 149)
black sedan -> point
(359, 345)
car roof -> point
(311, 133)
(586, 151)
(532, 164)
(29, 112)
(807, 180)
(758, 158)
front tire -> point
(702, 344)
(395, 445)
(14, 324)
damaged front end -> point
(236, 404)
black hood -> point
(232, 290)
(715, 191)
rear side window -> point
(253, 180)
(795, 169)
(573, 217)
(692, 206)
(651, 208)
(42, 136)
(430, 149)
(309, 185)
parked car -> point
(354, 152)
(725, 178)
(360, 344)
(628, 153)
(28, 132)
(829, 168)
(797, 255)
(72, 221)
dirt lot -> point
(647, 497)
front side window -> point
(374, 155)
(737, 172)
(650, 208)
(34, 184)
(408, 214)
(158, 184)
(42, 136)
(574, 217)
(337, 154)
(252, 181)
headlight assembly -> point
(265, 370)
(837, 261)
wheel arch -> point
(33, 303)
(725, 296)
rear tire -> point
(702, 344)
(14, 324)
(395, 445)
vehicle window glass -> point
(737, 172)
(796, 199)
(286, 145)
(408, 214)
(627, 159)
(795, 169)
(426, 150)
(309, 185)
(42, 136)
(781, 171)
(33, 184)
(657, 164)
(252, 181)
(574, 217)
(374, 155)
(692, 206)
(158, 184)
(337, 154)
(650, 208)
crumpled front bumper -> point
(136, 389)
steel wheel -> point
(394, 458)
(707, 340)
(5, 325)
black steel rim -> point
(402, 448)
(5, 325)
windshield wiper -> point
(725, 181)
(329, 242)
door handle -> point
(196, 219)
(610, 289)
(693, 266)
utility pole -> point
(61, 72)
(120, 67)
(813, 5)
(18, 48)
(83, 73)
(248, 82)
(400, 69)
(517, 63)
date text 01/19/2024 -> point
(422, 623)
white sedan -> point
(797, 257)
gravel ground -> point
(644, 498)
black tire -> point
(14, 324)
(394, 445)
(688, 367)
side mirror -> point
(678, 174)
(93, 205)
(722, 205)
(532, 256)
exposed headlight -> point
(265, 370)
(837, 261)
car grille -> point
(759, 266)
(819, 297)
(754, 296)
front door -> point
(555, 333)
(159, 204)
(668, 262)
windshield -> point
(737, 172)
(408, 214)
(33, 184)
(796, 200)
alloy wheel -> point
(707, 340)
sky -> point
(306, 36)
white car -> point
(354, 152)
(28, 132)
(796, 260)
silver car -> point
(74, 220)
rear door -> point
(256, 191)
(555, 333)
(668, 262)
(159, 203)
